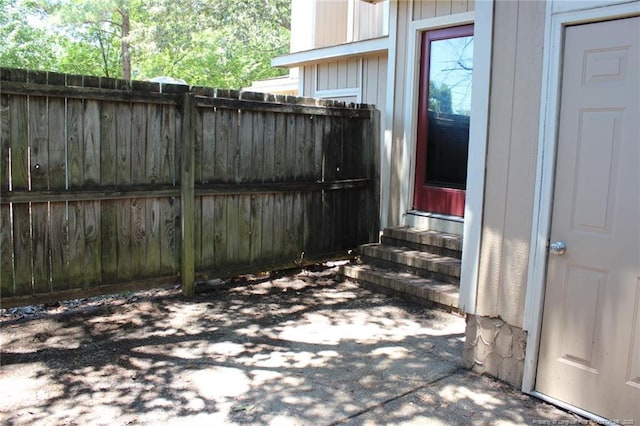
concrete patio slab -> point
(306, 348)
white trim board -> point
(324, 54)
(547, 144)
(483, 29)
(340, 93)
(387, 116)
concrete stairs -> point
(417, 264)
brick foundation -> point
(496, 348)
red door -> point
(443, 120)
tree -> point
(439, 98)
(24, 45)
(224, 43)
(99, 24)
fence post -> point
(374, 171)
(187, 197)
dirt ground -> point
(305, 347)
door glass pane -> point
(450, 67)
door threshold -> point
(435, 222)
(573, 409)
(436, 215)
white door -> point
(590, 343)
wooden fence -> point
(108, 185)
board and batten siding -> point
(511, 159)
(354, 79)
(345, 21)
(430, 9)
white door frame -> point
(482, 18)
(559, 15)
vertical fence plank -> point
(138, 143)
(124, 154)
(199, 144)
(57, 143)
(22, 255)
(291, 149)
(168, 237)
(267, 234)
(208, 230)
(138, 235)
(91, 143)
(109, 176)
(279, 230)
(40, 247)
(92, 243)
(258, 147)
(76, 245)
(300, 146)
(255, 232)
(6, 253)
(123, 143)
(75, 176)
(38, 143)
(220, 218)
(245, 145)
(199, 238)
(168, 147)
(233, 221)
(152, 240)
(244, 229)
(59, 237)
(109, 239)
(222, 170)
(6, 241)
(58, 226)
(290, 249)
(298, 221)
(125, 239)
(153, 155)
(234, 147)
(151, 265)
(75, 149)
(19, 143)
(92, 175)
(206, 159)
(268, 147)
(280, 148)
(39, 172)
(5, 141)
(187, 194)
(108, 144)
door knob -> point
(558, 248)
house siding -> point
(511, 159)
(432, 8)
(365, 76)
(369, 20)
(335, 13)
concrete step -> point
(424, 240)
(405, 259)
(418, 289)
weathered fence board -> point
(106, 185)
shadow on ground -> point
(307, 348)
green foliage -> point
(220, 43)
(24, 45)
(440, 98)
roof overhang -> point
(357, 48)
